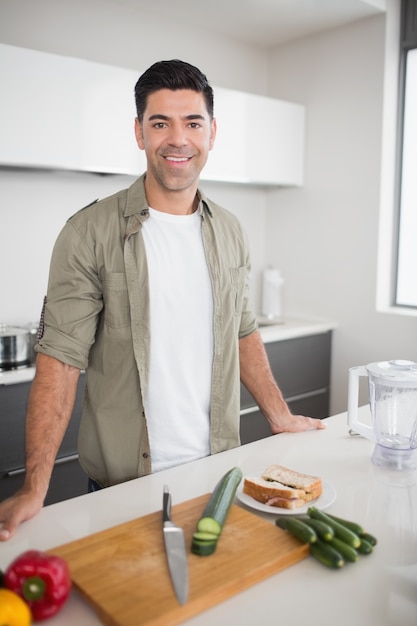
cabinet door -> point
(259, 140)
(299, 365)
(84, 122)
(68, 479)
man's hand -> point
(50, 405)
(256, 375)
(16, 509)
(294, 423)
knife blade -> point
(175, 550)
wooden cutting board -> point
(124, 574)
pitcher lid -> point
(398, 370)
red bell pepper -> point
(42, 580)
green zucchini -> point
(297, 528)
(353, 526)
(326, 554)
(210, 524)
(323, 531)
(368, 538)
(348, 553)
(365, 547)
(340, 531)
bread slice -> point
(273, 493)
(311, 485)
(283, 487)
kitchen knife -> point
(175, 550)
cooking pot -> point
(15, 346)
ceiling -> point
(266, 23)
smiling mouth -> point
(175, 159)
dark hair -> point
(172, 75)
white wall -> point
(324, 236)
(35, 204)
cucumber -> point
(340, 531)
(365, 547)
(348, 553)
(356, 528)
(297, 528)
(368, 538)
(326, 554)
(222, 497)
(210, 524)
(353, 526)
(323, 531)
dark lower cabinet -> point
(68, 479)
(301, 367)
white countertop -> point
(288, 328)
(379, 589)
(292, 327)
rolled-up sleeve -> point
(74, 300)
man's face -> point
(177, 135)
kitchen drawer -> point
(299, 365)
(13, 404)
(68, 481)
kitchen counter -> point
(288, 328)
(378, 589)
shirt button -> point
(145, 455)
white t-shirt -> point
(181, 351)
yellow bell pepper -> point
(13, 609)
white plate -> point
(327, 498)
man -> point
(148, 292)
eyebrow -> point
(192, 116)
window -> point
(406, 283)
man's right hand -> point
(17, 509)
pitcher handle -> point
(354, 425)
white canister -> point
(272, 293)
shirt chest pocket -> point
(238, 277)
(116, 300)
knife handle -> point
(166, 505)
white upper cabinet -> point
(259, 140)
(66, 113)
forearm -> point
(50, 405)
(257, 376)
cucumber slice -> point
(209, 525)
(202, 536)
(203, 549)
